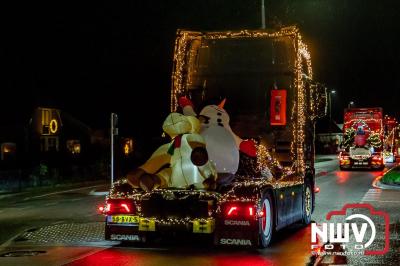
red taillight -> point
(232, 211)
(251, 211)
(316, 189)
(118, 207)
(377, 158)
(240, 210)
(125, 206)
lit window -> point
(128, 146)
(8, 151)
(74, 146)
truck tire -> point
(266, 222)
(307, 203)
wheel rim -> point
(308, 201)
(266, 219)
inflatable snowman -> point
(222, 144)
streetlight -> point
(350, 104)
(114, 132)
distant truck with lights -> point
(266, 78)
(363, 137)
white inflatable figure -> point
(222, 144)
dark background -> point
(91, 58)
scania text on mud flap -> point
(257, 84)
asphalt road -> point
(64, 229)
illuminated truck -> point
(266, 79)
(363, 135)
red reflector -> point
(316, 189)
(231, 210)
(251, 211)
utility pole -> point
(330, 115)
(113, 132)
(330, 108)
(262, 14)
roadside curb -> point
(379, 184)
(8, 195)
(98, 193)
(61, 191)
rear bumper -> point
(145, 226)
(223, 232)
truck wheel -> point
(266, 222)
(307, 203)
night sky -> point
(91, 58)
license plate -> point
(123, 219)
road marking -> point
(51, 204)
(377, 195)
(372, 194)
(60, 192)
(72, 200)
(98, 193)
